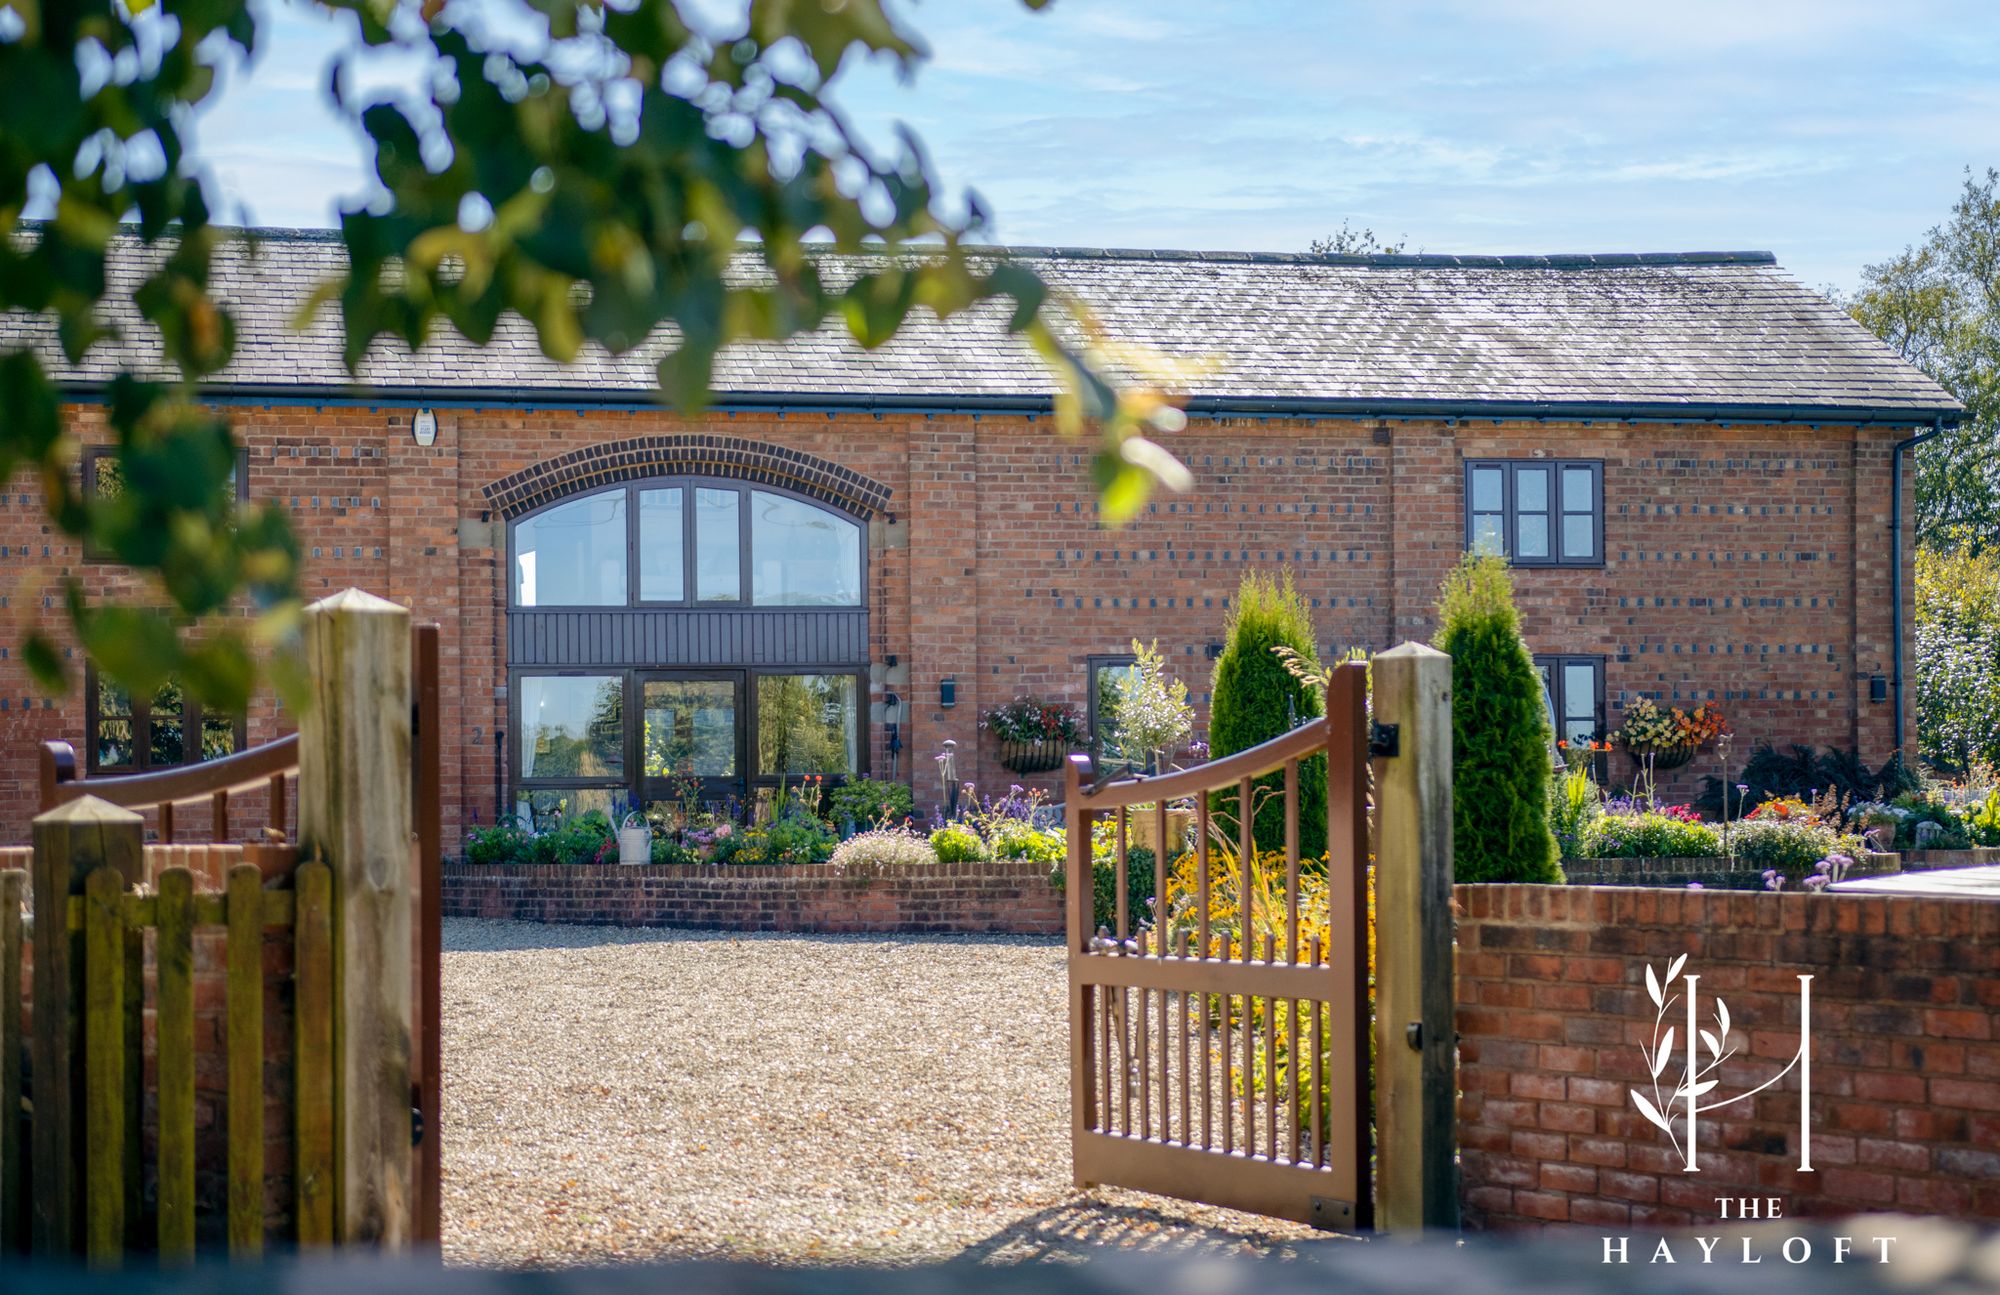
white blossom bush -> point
(1152, 717)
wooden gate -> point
(92, 985)
(1220, 1032)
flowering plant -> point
(1651, 728)
(1032, 719)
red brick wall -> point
(1012, 898)
(1553, 1009)
(1744, 562)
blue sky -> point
(1832, 133)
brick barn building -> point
(1688, 457)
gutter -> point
(833, 403)
(1896, 566)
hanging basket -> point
(1664, 757)
(1032, 757)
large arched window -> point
(686, 543)
(679, 632)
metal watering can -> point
(635, 840)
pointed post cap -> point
(1410, 648)
(356, 600)
(89, 809)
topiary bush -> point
(959, 845)
(1255, 698)
(1035, 844)
(1501, 766)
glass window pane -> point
(802, 556)
(114, 726)
(662, 546)
(1580, 732)
(1531, 490)
(573, 555)
(572, 727)
(718, 557)
(1578, 496)
(690, 728)
(1108, 682)
(166, 741)
(1579, 536)
(1580, 691)
(1531, 535)
(1486, 490)
(808, 723)
(1486, 534)
(218, 737)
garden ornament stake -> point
(947, 763)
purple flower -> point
(1695, 885)
(1743, 788)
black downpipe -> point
(1896, 566)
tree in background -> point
(647, 167)
(1150, 713)
(1938, 304)
(1256, 698)
(1958, 658)
(1351, 241)
(1500, 737)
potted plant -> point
(1877, 820)
(1034, 734)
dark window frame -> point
(689, 484)
(1509, 513)
(1555, 689)
(94, 454)
(1093, 709)
(193, 719)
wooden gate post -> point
(355, 814)
(71, 842)
(1416, 1074)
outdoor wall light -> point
(947, 693)
(1878, 688)
(1214, 651)
(425, 428)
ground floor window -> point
(620, 740)
(1574, 688)
(1109, 676)
(127, 733)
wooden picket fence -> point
(322, 943)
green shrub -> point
(1804, 772)
(1649, 836)
(888, 846)
(868, 802)
(1037, 845)
(1574, 804)
(586, 838)
(1501, 741)
(1255, 698)
(501, 843)
(1104, 888)
(959, 845)
(798, 838)
(1791, 846)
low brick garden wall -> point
(1553, 1011)
(1007, 897)
(1710, 873)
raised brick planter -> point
(1011, 897)
(1712, 874)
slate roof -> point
(1676, 333)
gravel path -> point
(641, 1094)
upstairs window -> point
(687, 543)
(1536, 512)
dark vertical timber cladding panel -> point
(653, 637)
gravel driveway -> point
(640, 1094)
